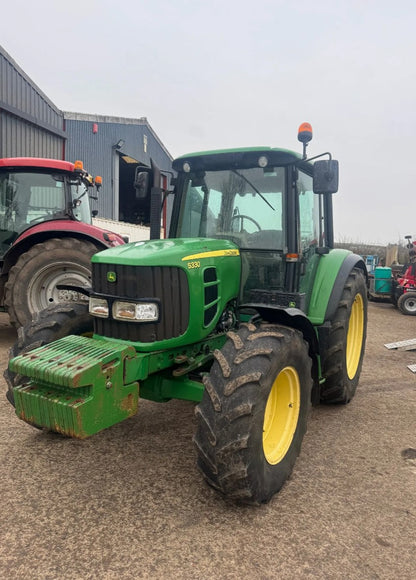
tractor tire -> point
(253, 414)
(407, 303)
(49, 325)
(32, 281)
(342, 358)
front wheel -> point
(253, 414)
(407, 303)
(32, 282)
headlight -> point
(144, 311)
(263, 161)
(98, 307)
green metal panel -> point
(171, 252)
(77, 386)
(295, 154)
(327, 271)
(194, 256)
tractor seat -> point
(266, 240)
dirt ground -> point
(129, 503)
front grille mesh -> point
(166, 284)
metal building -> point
(113, 147)
(30, 124)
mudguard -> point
(331, 276)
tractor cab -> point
(273, 204)
(33, 191)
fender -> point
(293, 317)
(59, 229)
(76, 227)
(331, 276)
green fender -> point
(331, 276)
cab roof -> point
(37, 162)
(236, 158)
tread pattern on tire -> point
(402, 303)
(225, 431)
(338, 388)
(16, 301)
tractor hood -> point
(192, 282)
(181, 252)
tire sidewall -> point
(270, 478)
(65, 252)
(229, 435)
(359, 288)
(402, 303)
(339, 388)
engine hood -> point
(172, 252)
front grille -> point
(166, 284)
(210, 295)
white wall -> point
(135, 233)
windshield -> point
(31, 197)
(27, 198)
(243, 205)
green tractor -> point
(247, 310)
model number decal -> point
(193, 265)
(213, 254)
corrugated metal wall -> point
(98, 152)
(30, 124)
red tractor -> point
(404, 286)
(46, 234)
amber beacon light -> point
(304, 136)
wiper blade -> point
(255, 188)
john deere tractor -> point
(247, 309)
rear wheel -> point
(32, 282)
(252, 418)
(407, 303)
(343, 357)
(49, 325)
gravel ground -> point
(129, 503)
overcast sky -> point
(233, 73)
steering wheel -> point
(243, 217)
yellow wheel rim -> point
(281, 415)
(355, 336)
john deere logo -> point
(111, 276)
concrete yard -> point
(129, 502)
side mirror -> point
(325, 176)
(143, 182)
